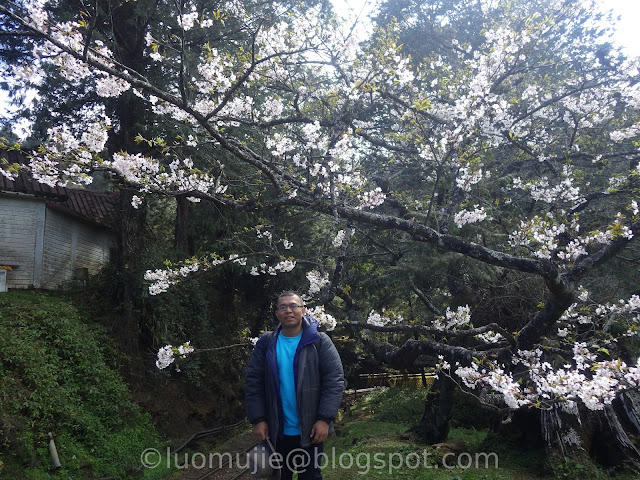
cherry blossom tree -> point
(515, 149)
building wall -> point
(70, 244)
(46, 246)
(18, 218)
(94, 247)
(57, 261)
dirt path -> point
(227, 462)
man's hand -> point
(261, 430)
(319, 432)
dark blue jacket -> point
(318, 375)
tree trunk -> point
(563, 431)
(182, 241)
(612, 445)
(627, 406)
(132, 113)
(579, 432)
(438, 410)
(130, 248)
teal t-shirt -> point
(285, 351)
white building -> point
(52, 236)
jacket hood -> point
(313, 323)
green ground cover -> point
(373, 442)
(59, 374)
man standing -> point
(293, 388)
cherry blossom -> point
(317, 281)
(331, 123)
(166, 355)
(326, 320)
(464, 217)
(594, 383)
(453, 318)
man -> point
(293, 388)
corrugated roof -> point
(94, 205)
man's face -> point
(291, 317)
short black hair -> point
(289, 293)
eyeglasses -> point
(284, 308)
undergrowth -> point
(58, 373)
(373, 441)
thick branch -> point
(405, 356)
(589, 262)
(546, 318)
(434, 331)
(423, 297)
(447, 242)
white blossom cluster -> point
(626, 312)
(317, 281)
(380, 320)
(149, 175)
(543, 235)
(8, 174)
(564, 191)
(136, 201)
(340, 236)
(70, 35)
(260, 233)
(496, 378)
(68, 159)
(263, 234)
(630, 132)
(464, 217)
(217, 75)
(466, 178)
(162, 279)
(166, 355)
(594, 383)
(282, 266)
(372, 198)
(461, 317)
(490, 337)
(187, 20)
(110, 86)
(325, 319)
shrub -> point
(397, 405)
(57, 374)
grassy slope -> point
(58, 373)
